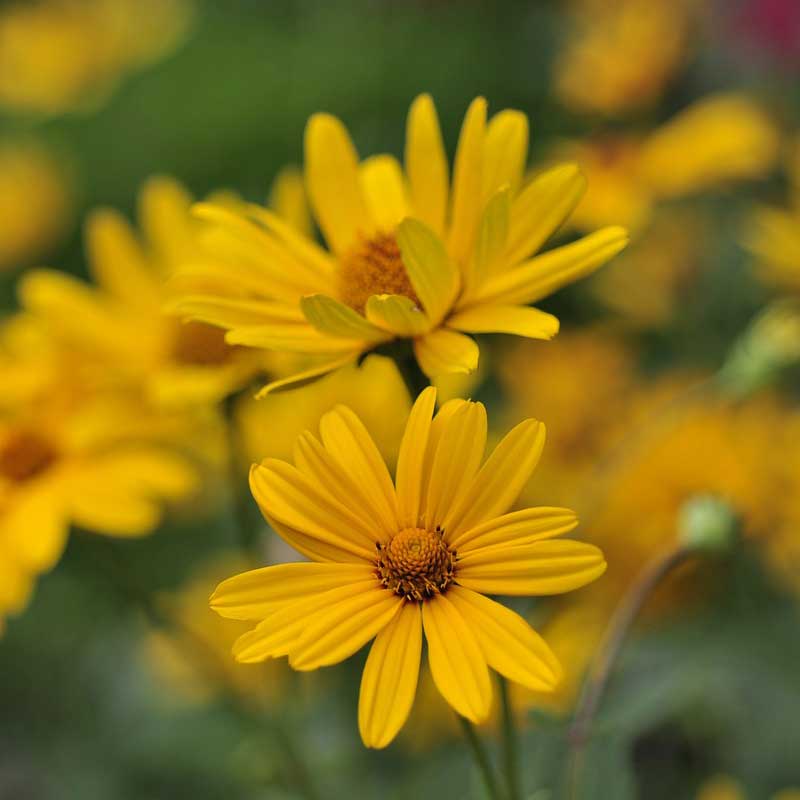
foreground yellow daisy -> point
(411, 255)
(391, 560)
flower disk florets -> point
(416, 563)
(373, 266)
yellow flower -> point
(717, 139)
(410, 255)
(35, 203)
(62, 55)
(722, 787)
(619, 56)
(121, 322)
(773, 234)
(391, 559)
(68, 456)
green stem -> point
(481, 758)
(607, 655)
(510, 744)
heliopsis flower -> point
(121, 322)
(68, 457)
(718, 139)
(410, 253)
(620, 56)
(391, 560)
(35, 202)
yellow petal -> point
(351, 446)
(336, 319)
(34, 528)
(165, 219)
(444, 351)
(117, 261)
(309, 374)
(115, 514)
(339, 630)
(278, 633)
(540, 209)
(508, 643)
(545, 274)
(286, 494)
(500, 480)
(458, 455)
(226, 312)
(518, 320)
(384, 191)
(332, 182)
(432, 274)
(426, 164)
(397, 315)
(506, 151)
(467, 182)
(288, 200)
(255, 594)
(519, 527)
(389, 680)
(294, 338)
(457, 664)
(492, 236)
(411, 459)
(541, 568)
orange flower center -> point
(373, 266)
(24, 455)
(416, 563)
(200, 345)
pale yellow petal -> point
(509, 644)
(500, 480)
(432, 273)
(225, 312)
(339, 630)
(287, 198)
(389, 680)
(351, 446)
(518, 527)
(457, 663)
(397, 314)
(467, 195)
(426, 164)
(517, 320)
(506, 151)
(384, 191)
(545, 274)
(541, 568)
(540, 209)
(411, 459)
(444, 351)
(332, 182)
(255, 594)
(491, 242)
(300, 378)
(331, 317)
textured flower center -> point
(416, 563)
(373, 266)
(199, 344)
(24, 455)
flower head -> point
(391, 559)
(411, 254)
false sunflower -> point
(391, 560)
(410, 253)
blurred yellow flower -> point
(194, 658)
(620, 56)
(65, 55)
(723, 787)
(69, 456)
(122, 323)
(410, 255)
(773, 234)
(717, 139)
(35, 203)
(391, 559)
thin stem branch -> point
(600, 671)
(510, 746)
(481, 758)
